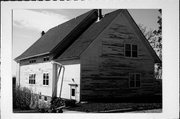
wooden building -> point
(90, 57)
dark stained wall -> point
(105, 70)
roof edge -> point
(145, 41)
(120, 10)
(16, 59)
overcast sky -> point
(28, 24)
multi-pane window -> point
(134, 50)
(32, 78)
(131, 50)
(32, 61)
(134, 80)
(46, 58)
(46, 79)
(128, 50)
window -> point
(46, 59)
(72, 92)
(128, 50)
(32, 61)
(45, 98)
(32, 78)
(134, 80)
(134, 50)
(46, 79)
(131, 50)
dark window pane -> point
(132, 77)
(43, 82)
(137, 77)
(128, 53)
(132, 84)
(137, 83)
(47, 82)
(134, 53)
(72, 92)
(134, 47)
(128, 47)
(45, 98)
(128, 50)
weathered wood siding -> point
(105, 68)
(90, 70)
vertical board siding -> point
(105, 69)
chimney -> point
(100, 14)
(42, 33)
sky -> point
(28, 24)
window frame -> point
(31, 61)
(45, 79)
(135, 80)
(73, 87)
(45, 59)
(32, 80)
(131, 50)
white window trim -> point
(45, 79)
(45, 58)
(31, 79)
(135, 80)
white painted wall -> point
(71, 72)
(38, 69)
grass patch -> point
(99, 107)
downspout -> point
(18, 74)
(60, 65)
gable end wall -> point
(105, 70)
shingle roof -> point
(53, 37)
(56, 37)
(75, 50)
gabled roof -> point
(81, 44)
(143, 38)
(53, 38)
(57, 37)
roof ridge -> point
(52, 37)
(85, 38)
(75, 27)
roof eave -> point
(18, 59)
